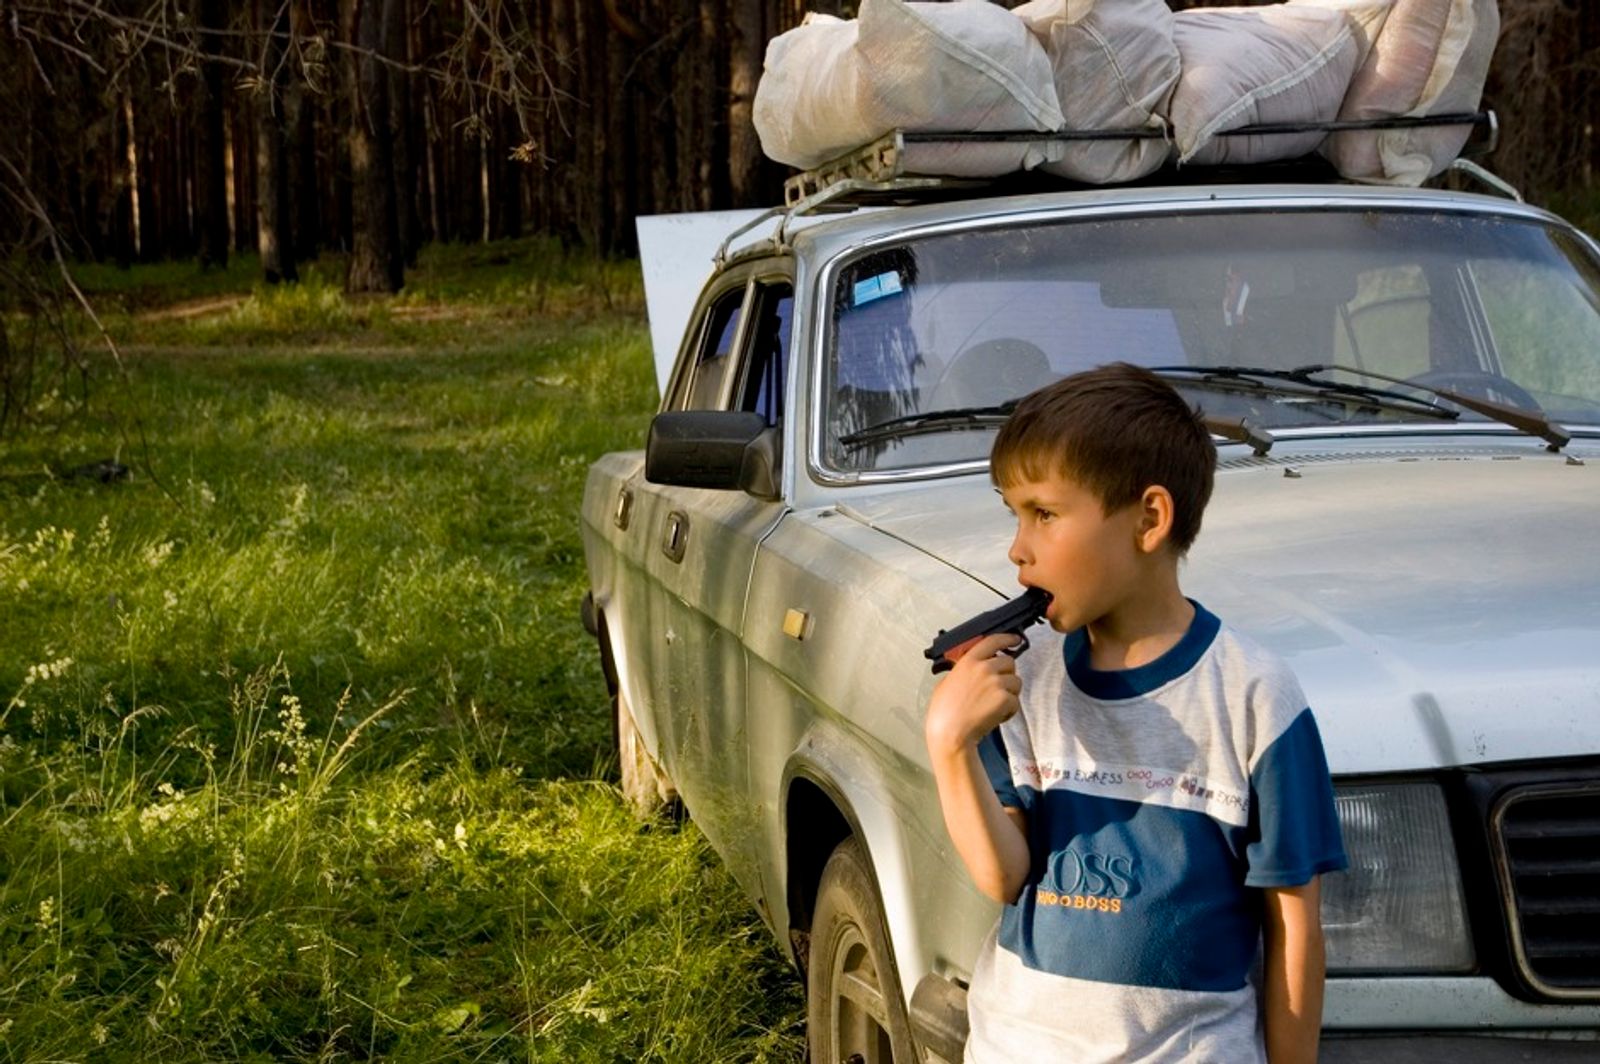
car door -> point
(705, 542)
(636, 517)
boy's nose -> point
(1018, 554)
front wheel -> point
(855, 1013)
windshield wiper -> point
(1306, 384)
(1240, 430)
(1271, 381)
(1533, 422)
(964, 417)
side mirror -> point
(730, 450)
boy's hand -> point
(976, 695)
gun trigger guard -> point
(1016, 651)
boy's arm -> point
(1293, 972)
(978, 693)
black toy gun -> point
(1022, 612)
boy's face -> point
(1090, 561)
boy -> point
(1148, 796)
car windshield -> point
(1505, 309)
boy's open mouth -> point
(1049, 599)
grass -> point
(302, 745)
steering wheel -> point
(1480, 384)
(990, 372)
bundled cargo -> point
(1431, 58)
(831, 85)
(1114, 64)
(1201, 81)
(1284, 63)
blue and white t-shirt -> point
(1158, 800)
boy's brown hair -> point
(1115, 430)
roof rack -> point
(1487, 177)
(876, 174)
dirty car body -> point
(1431, 574)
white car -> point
(1406, 390)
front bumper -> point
(1475, 1003)
(1457, 1049)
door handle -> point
(675, 535)
(622, 516)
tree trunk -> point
(408, 225)
(300, 112)
(376, 261)
(211, 194)
(242, 148)
(745, 50)
(274, 241)
(560, 118)
(509, 193)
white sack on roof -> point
(1114, 64)
(1250, 66)
(808, 106)
(1432, 57)
(1366, 19)
(830, 86)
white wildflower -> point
(157, 553)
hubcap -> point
(860, 1018)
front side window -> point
(966, 321)
(761, 389)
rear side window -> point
(716, 353)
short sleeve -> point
(992, 752)
(1294, 826)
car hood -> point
(1438, 610)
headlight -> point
(1399, 907)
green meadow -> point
(304, 753)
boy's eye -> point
(1044, 515)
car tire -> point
(855, 1013)
(644, 787)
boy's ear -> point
(1155, 518)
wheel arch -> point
(812, 802)
(660, 794)
(823, 806)
(608, 660)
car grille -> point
(1548, 840)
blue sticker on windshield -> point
(885, 284)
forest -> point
(149, 131)
(186, 129)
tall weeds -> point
(296, 763)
